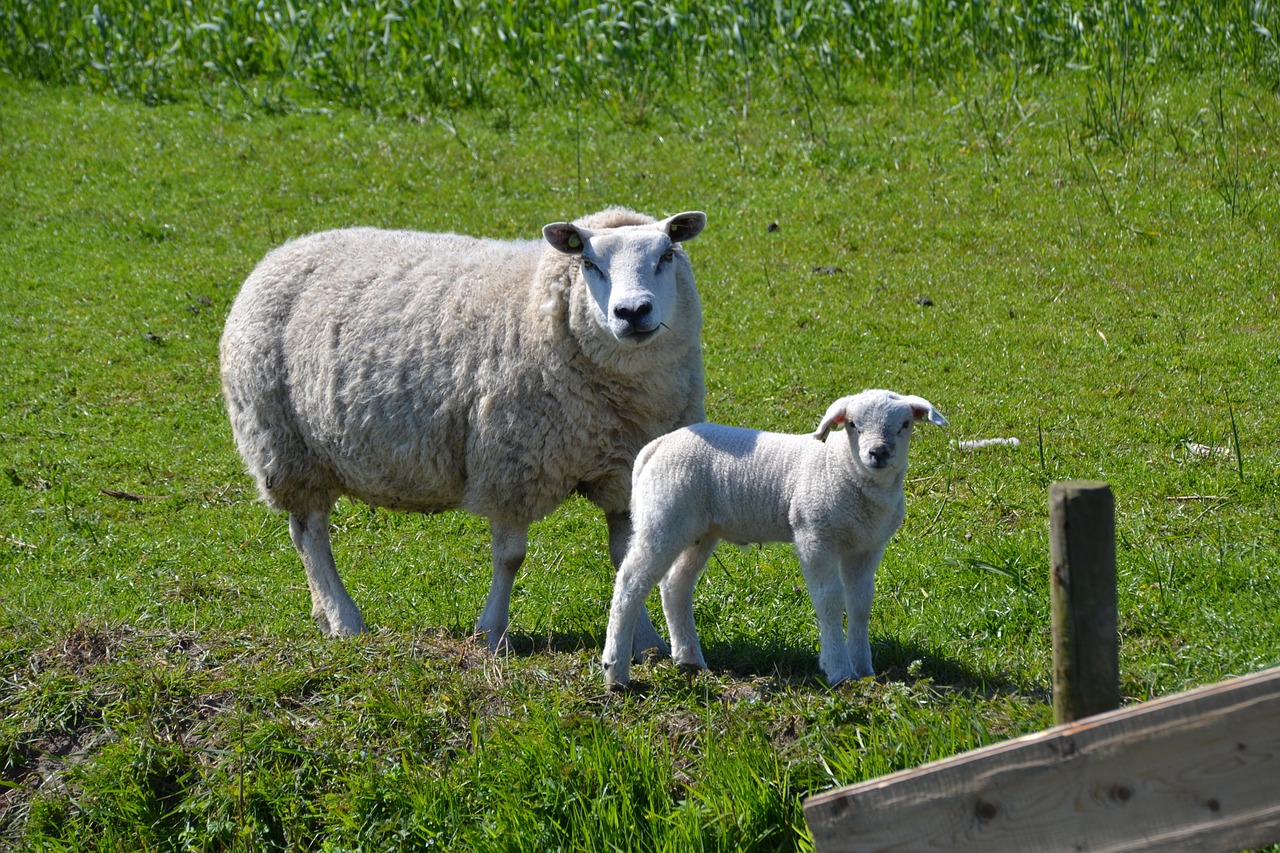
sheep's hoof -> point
(350, 628)
(842, 680)
(495, 640)
(690, 669)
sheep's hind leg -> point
(677, 603)
(645, 638)
(331, 605)
(510, 542)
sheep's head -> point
(630, 270)
(878, 424)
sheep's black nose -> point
(879, 454)
(633, 313)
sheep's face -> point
(630, 272)
(878, 424)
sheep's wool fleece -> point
(429, 371)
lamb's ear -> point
(923, 409)
(684, 226)
(565, 237)
(833, 419)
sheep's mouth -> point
(633, 335)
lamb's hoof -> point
(612, 681)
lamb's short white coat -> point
(839, 502)
(423, 372)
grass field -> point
(1064, 239)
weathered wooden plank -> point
(1082, 557)
(1199, 771)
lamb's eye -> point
(667, 256)
(906, 426)
(588, 264)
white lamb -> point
(424, 372)
(838, 502)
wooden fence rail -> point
(1198, 771)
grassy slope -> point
(161, 684)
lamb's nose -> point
(879, 455)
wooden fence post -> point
(1082, 555)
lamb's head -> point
(878, 424)
(631, 271)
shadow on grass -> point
(909, 662)
(787, 665)
(894, 661)
(558, 642)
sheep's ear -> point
(684, 226)
(923, 409)
(833, 419)
(565, 237)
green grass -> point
(1079, 257)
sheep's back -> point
(366, 352)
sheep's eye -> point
(667, 256)
(588, 264)
(906, 426)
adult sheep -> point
(425, 372)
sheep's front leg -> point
(510, 542)
(822, 578)
(331, 605)
(859, 576)
(646, 637)
(677, 603)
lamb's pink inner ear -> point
(824, 428)
(920, 412)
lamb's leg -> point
(677, 603)
(510, 542)
(822, 578)
(637, 575)
(331, 605)
(646, 637)
(859, 576)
